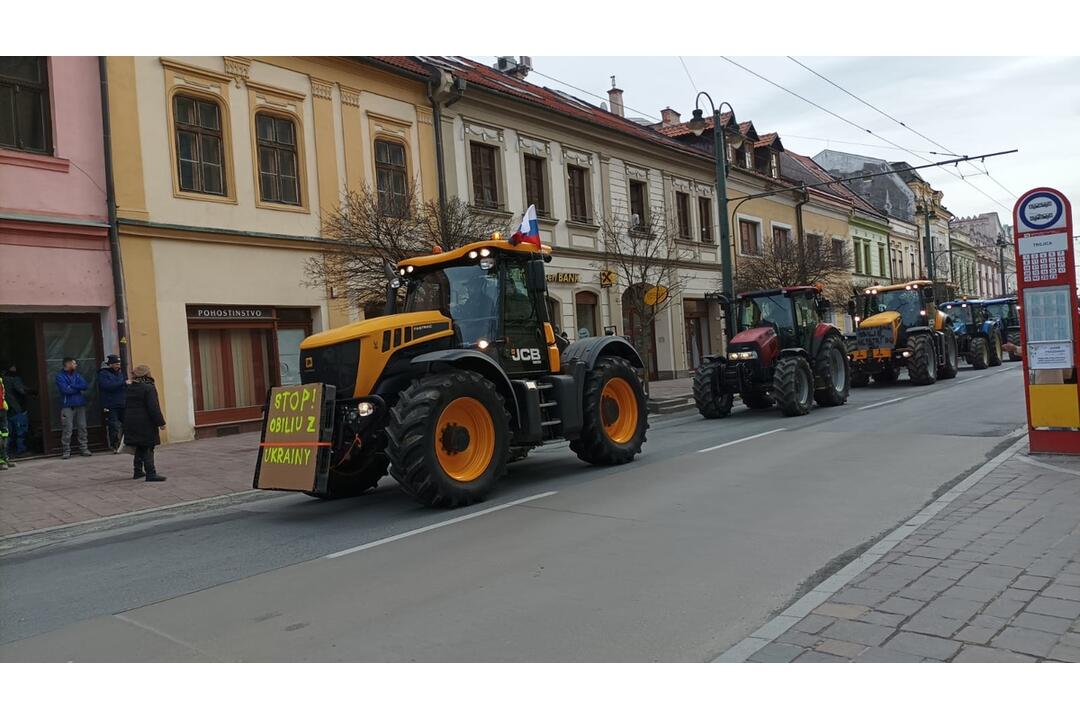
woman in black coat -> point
(142, 419)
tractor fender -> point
(787, 352)
(589, 350)
(822, 331)
(477, 362)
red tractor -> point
(782, 354)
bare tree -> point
(650, 265)
(367, 229)
(790, 262)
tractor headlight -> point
(484, 252)
(923, 313)
(743, 355)
(473, 254)
(482, 344)
(906, 353)
(364, 409)
(409, 269)
(402, 271)
(486, 263)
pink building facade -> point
(56, 280)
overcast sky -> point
(969, 105)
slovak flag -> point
(529, 232)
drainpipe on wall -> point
(114, 233)
(798, 217)
(443, 89)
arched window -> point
(585, 306)
(200, 152)
(391, 177)
(278, 167)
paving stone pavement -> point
(993, 577)
(50, 492)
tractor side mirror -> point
(534, 275)
(824, 305)
(928, 293)
(851, 307)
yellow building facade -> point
(223, 168)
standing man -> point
(16, 393)
(72, 385)
(111, 382)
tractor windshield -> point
(766, 310)
(1003, 311)
(959, 313)
(906, 302)
(469, 294)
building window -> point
(781, 240)
(859, 259)
(774, 165)
(578, 181)
(813, 245)
(838, 247)
(585, 307)
(24, 104)
(535, 185)
(748, 238)
(391, 177)
(682, 211)
(278, 176)
(200, 153)
(638, 202)
(881, 260)
(485, 176)
(866, 259)
(704, 206)
(748, 157)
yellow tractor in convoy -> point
(468, 374)
(897, 327)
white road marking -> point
(1002, 370)
(884, 402)
(961, 382)
(436, 526)
(735, 442)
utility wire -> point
(860, 127)
(901, 123)
(688, 75)
(850, 142)
(643, 114)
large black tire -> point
(888, 376)
(710, 402)
(793, 385)
(979, 357)
(756, 399)
(951, 365)
(833, 376)
(354, 477)
(994, 348)
(859, 377)
(614, 418)
(1014, 338)
(922, 365)
(423, 444)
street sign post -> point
(1049, 320)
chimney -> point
(669, 117)
(615, 98)
(514, 67)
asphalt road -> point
(674, 557)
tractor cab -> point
(792, 314)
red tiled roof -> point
(766, 140)
(683, 128)
(489, 79)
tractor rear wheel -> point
(995, 349)
(614, 418)
(888, 376)
(447, 438)
(831, 368)
(859, 378)
(1014, 338)
(980, 353)
(354, 477)
(922, 365)
(951, 365)
(710, 401)
(756, 399)
(793, 385)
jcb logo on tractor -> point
(526, 355)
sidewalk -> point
(994, 576)
(39, 494)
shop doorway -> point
(696, 332)
(37, 343)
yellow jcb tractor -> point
(900, 326)
(468, 374)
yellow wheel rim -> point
(619, 410)
(465, 439)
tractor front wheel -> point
(980, 353)
(614, 418)
(995, 349)
(831, 367)
(448, 438)
(922, 365)
(1014, 338)
(710, 400)
(951, 365)
(793, 385)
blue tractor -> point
(1007, 312)
(979, 336)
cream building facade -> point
(223, 167)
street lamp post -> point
(697, 126)
(1001, 244)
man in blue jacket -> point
(72, 385)
(111, 382)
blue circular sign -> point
(1045, 210)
